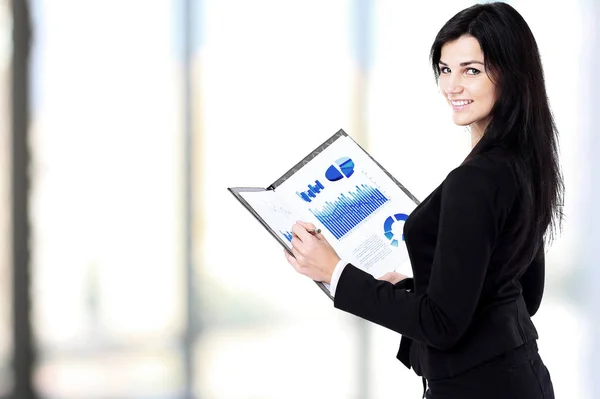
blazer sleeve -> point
(406, 284)
(532, 282)
(469, 224)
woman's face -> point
(465, 83)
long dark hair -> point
(521, 120)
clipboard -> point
(238, 192)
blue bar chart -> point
(287, 235)
(312, 191)
(348, 210)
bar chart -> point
(287, 235)
(312, 191)
(348, 210)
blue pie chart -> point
(343, 167)
(387, 227)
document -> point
(358, 206)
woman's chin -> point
(459, 121)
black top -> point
(474, 286)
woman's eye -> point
(472, 71)
(444, 70)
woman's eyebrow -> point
(464, 63)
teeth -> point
(461, 103)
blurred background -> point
(126, 268)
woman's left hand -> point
(393, 277)
(313, 256)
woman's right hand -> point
(393, 277)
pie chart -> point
(387, 227)
(343, 167)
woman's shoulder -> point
(491, 170)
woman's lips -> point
(459, 105)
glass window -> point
(275, 80)
(108, 312)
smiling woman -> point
(477, 242)
(466, 85)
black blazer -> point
(474, 286)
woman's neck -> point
(477, 131)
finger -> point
(298, 258)
(297, 244)
(301, 232)
(294, 262)
(319, 236)
(385, 277)
(287, 252)
(291, 260)
(310, 226)
(306, 225)
(288, 257)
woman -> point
(476, 243)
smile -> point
(460, 104)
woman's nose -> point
(453, 88)
(453, 85)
